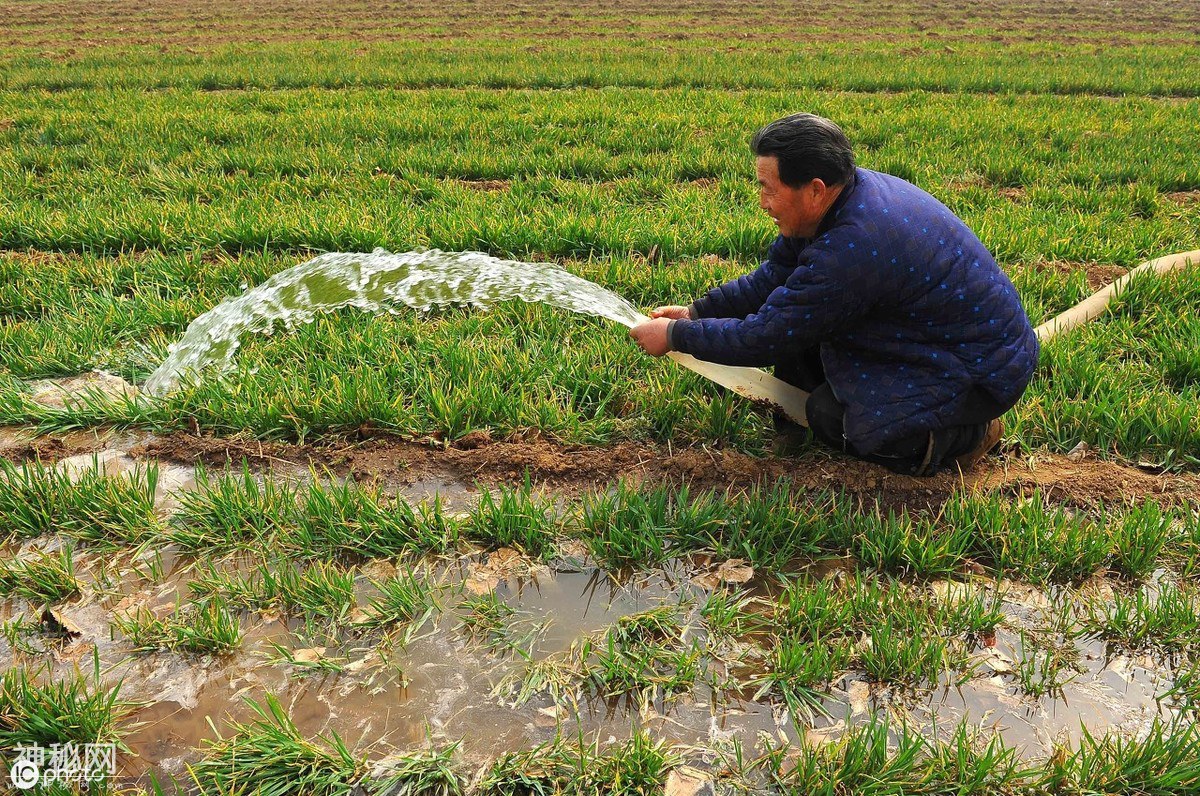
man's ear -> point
(813, 191)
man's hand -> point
(673, 312)
(652, 336)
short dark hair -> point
(807, 146)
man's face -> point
(797, 211)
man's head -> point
(802, 162)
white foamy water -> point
(377, 282)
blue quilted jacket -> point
(909, 308)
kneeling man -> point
(876, 299)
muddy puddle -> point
(441, 682)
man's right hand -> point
(672, 311)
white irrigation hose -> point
(752, 383)
(760, 386)
(1098, 302)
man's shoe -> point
(991, 437)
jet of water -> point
(375, 282)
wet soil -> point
(1080, 480)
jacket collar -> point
(838, 204)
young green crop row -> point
(583, 172)
(790, 646)
(268, 754)
(1162, 66)
(628, 527)
(1005, 46)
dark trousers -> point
(919, 454)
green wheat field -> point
(503, 551)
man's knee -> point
(922, 453)
(825, 416)
(804, 371)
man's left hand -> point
(652, 336)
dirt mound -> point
(20, 444)
(1098, 275)
(577, 468)
(571, 469)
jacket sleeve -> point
(825, 295)
(742, 296)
